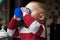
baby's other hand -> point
(17, 18)
(25, 11)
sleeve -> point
(12, 27)
(28, 20)
(31, 23)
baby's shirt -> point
(32, 26)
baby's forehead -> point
(33, 5)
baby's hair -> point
(42, 6)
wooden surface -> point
(7, 38)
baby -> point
(34, 28)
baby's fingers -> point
(24, 10)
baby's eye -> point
(28, 10)
(31, 11)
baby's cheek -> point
(35, 15)
(32, 13)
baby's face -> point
(35, 9)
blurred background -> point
(52, 22)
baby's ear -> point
(42, 16)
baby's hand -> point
(25, 11)
(17, 18)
